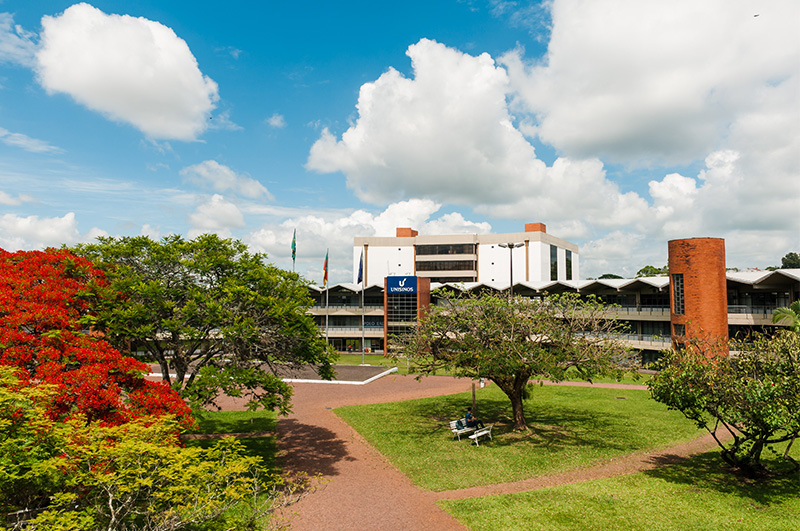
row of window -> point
(451, 248)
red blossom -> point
(45, 316)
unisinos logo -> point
(401, 284)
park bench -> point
(458, 432)
(480, 432)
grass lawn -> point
(570, 427)
(696, 495)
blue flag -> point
(361, 268)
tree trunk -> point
(514, 388)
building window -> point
(677, 294)
(453, 248)
(678, 330)
(553, 262)
(450, 265)
(569, 265)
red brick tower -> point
(698, 292)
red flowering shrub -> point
(45, 331)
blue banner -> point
(401, 284)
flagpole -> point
(363, 333)
(325, 283)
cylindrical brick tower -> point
(698, 293)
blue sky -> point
(620, 124)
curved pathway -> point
(362, 490)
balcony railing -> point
(767, 309)
(349, 306)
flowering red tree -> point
(45, 331)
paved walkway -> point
(364, 491)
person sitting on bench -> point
(472, 422)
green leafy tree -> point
(511, 341)
(789, 316)
(753, 397)
(78, 474)
(652, 271)
(790, 261)
(210, 313)
(608, 276)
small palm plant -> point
(790, 316)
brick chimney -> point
(535, 227)
(406, 232)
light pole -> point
(511, 247)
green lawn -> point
(571, 427)
(697, 495)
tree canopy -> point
(652, 271)
(790, 261)
(510, 341)
(46, 332)
(211, 314)
(753, 397)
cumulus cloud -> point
(17, 46)
(221, 178)
(448, 134)
(130, 69)
(643, 82)
(215, 215)
(27, 143)
(32, 232)
(445, 133)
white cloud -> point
(17, 46)
(129, 69)
(222, 179)
(445, 134)
(621, 253)
(32, 232)
(215, 215)
(643, 82)
(27, 143)
(9, 200)
(448, 135)
(222, 121)
(277, 121)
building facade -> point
(699, 298)
(529, 256)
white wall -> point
(382, 262)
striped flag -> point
(361, 268)
(325, 270)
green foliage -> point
(509, 341)
(790, 261)
(790, 316)
(209, 312)
(652, 271)
(608, 276)
(753, 397)
(81, 475)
